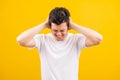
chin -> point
(59, 39)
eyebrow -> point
(57, 30)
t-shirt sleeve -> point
(38, 40)
(81, 41)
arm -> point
(26, 38)
(92, 37)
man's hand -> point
(47, 23)
(70, 24)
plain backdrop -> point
(100, 62)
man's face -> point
(59, 31)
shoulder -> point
(39, 35)
(42, 35)
(78, 35)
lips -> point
(59, 36)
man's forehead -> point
(59, 27)
(62, 24)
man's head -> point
(59, 22)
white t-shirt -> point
(59, 59)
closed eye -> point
(55, 30)
(62, 31)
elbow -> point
(20, 41)
(99, 40)
(94, 41)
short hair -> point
(59, 15)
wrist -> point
(72, 25)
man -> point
(59, 50)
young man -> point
(59, 50)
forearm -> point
(27, 35)
(89, 33)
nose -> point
(59, 34)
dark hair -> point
(59, 15)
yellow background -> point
(100, 62)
